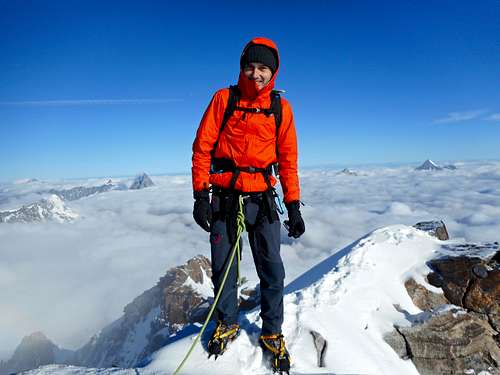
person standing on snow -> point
(245, 131)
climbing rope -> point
(240, 221)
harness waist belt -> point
(226, 165)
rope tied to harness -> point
(240, 222)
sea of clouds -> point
(71, 279)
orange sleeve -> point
(206, 136)
(288, 155)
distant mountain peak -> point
(429, 165)
(141, 181)
(51, 208)
(347, 172)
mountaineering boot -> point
(221, 337)
(275, 352)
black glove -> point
(202, 212)
(295, 223)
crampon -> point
(275, 351)
(221, 337)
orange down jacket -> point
(248, 139)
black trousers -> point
(264, 238)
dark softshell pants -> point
(264, 238)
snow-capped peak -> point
(428, 165)
(51, 208)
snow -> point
(59, 210)
(204, 289)
(137, 339)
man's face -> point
(259, 73)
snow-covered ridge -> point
(51, 208)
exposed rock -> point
(347, 172)
(152, 320)
(52, 208)
(35, 350)
(422, 297)
(321, 345)
(180, 297)
(458, 277)
(428, 165)
(249, 298)
(434, 228)
(141, 181)
(465, 338)
(448, 343)
(79, 192)
(450, 166)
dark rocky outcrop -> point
(448, 343)
(459, 329)
(179, 298)
(79, 192)
(422, 297)
(35, 350)
(428, 165)
(434, 228)
(141, 181)
(469, 282)
(320, 344)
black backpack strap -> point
(277, 110)
(232, 101)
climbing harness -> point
(240, 220)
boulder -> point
(449, 342)
(422, 297)
(434, 228)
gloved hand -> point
(295, 223)
(202, 212)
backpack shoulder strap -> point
(232, 101)
(276, 108)
(277, 111)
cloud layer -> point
(69, 280)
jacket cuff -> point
(293, 205)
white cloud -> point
(69, 280)
(453, 117)
(494, 117)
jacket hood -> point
(248, 87)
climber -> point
(245, 140)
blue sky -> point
(93, 88)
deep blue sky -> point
(106, 88)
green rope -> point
(240, 221)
